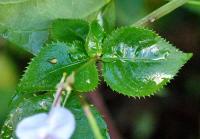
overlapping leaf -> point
(108, 17)
(69, 30)
(47, 68)
(95, 39)
(137, 62)
(25, 22)
(30, 105)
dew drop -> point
(5, 36)
(53, 61)
(43, 105)
(88, 81)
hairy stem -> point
(160, 12)
(91, 119)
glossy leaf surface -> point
(25, 22)
(94, 39)
(46, 69)
(31, 105)
(69, 30)
(137, 62)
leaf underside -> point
(137, 62)
(47, 68)
(30, 105)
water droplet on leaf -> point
(53, 61)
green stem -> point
(193, 2)
(160, 12)
(66, 98)
(92, 121)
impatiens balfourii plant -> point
(59, 123)
(135, 62)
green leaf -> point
(86, 78)
(130, 11)
(30, 105)
(69, 30)
(46, 69)
(94, 39)
(83, 127)
(108, 16)
(137, 62)
(25, 22)
(11, 1)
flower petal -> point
(32, 127)
(58, 124)
(62, 122)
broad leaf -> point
(46, 69)
(36, 104)
(69, 30)
(94, 39)
(137, 62)
(25, 22)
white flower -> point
(58, 124)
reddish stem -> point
(98, 101)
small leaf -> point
(94, 39)
(137, 62)
(87, 77)
(69, 30)
(30, 30)
(30, 105)
(47, 68)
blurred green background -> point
(171, 114)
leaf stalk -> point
(160, 12)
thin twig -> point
(160, 12)
(193, 2)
